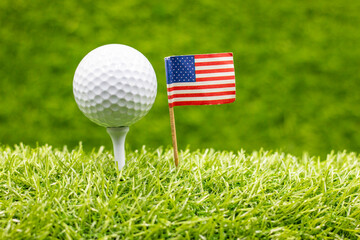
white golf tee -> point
(118, 135)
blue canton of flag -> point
(181, 69)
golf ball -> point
(114, 85)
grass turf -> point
(51, 193)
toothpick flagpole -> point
(173, 135)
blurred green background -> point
(297, 71)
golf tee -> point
(118, 135)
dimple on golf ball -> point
(115, 85)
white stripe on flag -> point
(214, 67)
(215, 59)
(184, 84)
(180, 99)
(210, 90)
(220, 74)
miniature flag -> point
(203, 79)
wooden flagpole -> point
(173, 135)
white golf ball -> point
(115, 85)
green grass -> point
(50, 193)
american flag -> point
(203, 79)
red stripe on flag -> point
(203, 102)
(214, 70)
(198, 79)
(211, 94)
(213, 63)
(200, 87)
(213, 55)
